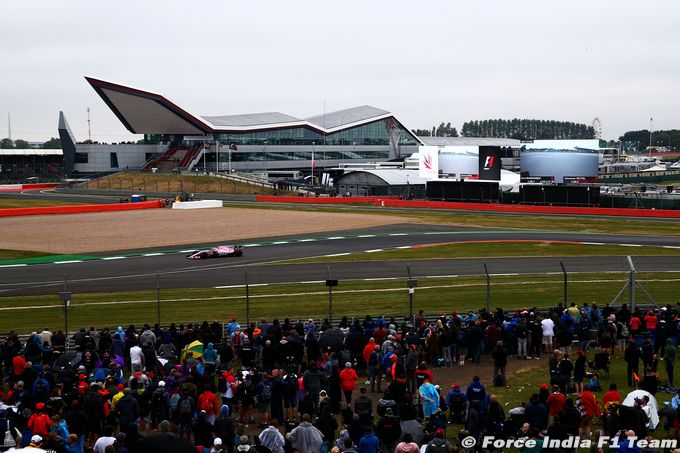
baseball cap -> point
(36, 439)
(217, 442)
(161, 383)
(440, 432)
(39, 406)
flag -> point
(636, 377)
(313, 161)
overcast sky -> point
(426, 62)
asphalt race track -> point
(140, 272)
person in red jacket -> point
(366, 353)
(18, 366)
(348, 382)
(207, 401)
(611, 397)
(555, 403)
(590, 409)
(39, 422)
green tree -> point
(6, 143)
(53, 143)
(21, 144)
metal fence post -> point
(488, 288)
(247, 299)
(330, 283)
(632, 283)
(411, 283)
(564, 271)
(158, 298)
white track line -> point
(593, 243)
(366, 236)
(671, 247)
(279, 242)
(110, 258)
(630, 245)
(153, 254)
(375, 250)
(307, 240)
(338, 254)
(68, 262)
(14, 265)
(336, 237)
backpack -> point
(174, 399)
(374, 359)
(184, 406)
(437, 446)
(266, 395)
(624, 330)
(292, 381)
(158, 401)
(345, 356)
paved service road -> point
(139, 272)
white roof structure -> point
(31, 152)
(145, 112)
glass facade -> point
(375, 133)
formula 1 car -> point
(220, 251)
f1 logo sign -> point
(488, 163)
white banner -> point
(428, 162)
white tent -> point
(654, 412)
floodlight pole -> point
(564, 272)
(488, 289)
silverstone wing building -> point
(178, 140)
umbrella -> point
(654, 412)
(331, 339)
(196, 349)
(68, 359)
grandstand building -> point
(178, 140)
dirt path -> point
(106, 231)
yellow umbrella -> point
(196, 349)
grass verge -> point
(25, 202)
(11, 255)
(490, 249)
(174, 183)
(587, 224)
(350, 298)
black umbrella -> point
(68, 359)
(163, 443)
(331, 340)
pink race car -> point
(220, 251)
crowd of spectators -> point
(362, 385)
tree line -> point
(527, 129)
(6, 143)
(443, 130)
(640, 139)
(520, 129)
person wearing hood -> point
(669, 359)
(407, 445)
(210, 357)
(306, 437)
(272, 438)
(439, 443)
(224, 428)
